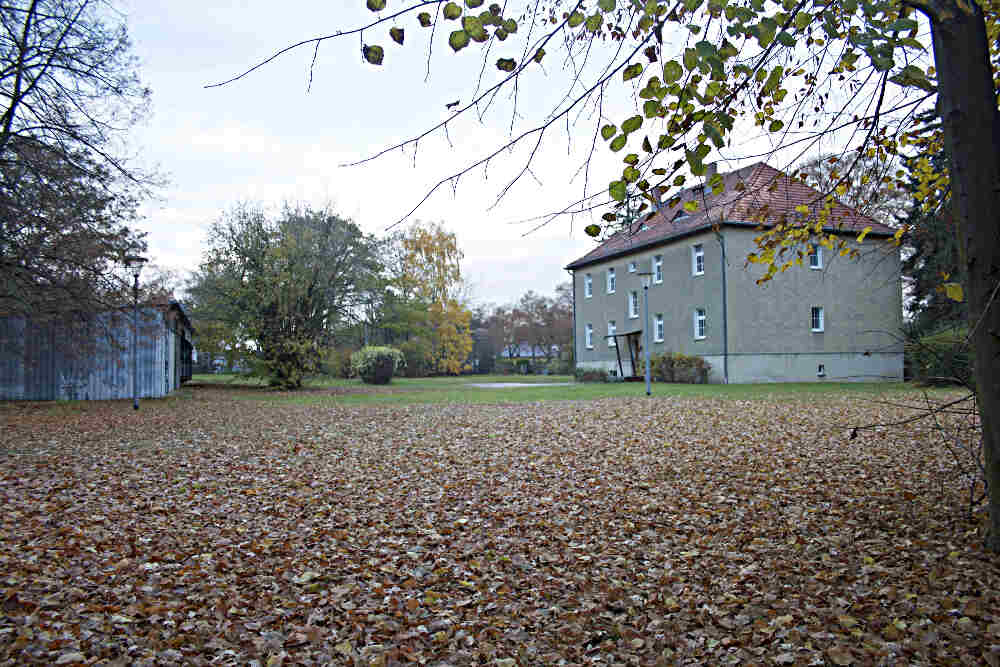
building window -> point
(658, 269)
(588, 336)
(658, 328)
(611, 334)
(631, 267)
(815, 257)
(699, 323)
(588, 286)
(611, 281)
(633, 304)
(816, 318)
(698, 260)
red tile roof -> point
(754, 195)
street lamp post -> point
(646, 278)
(134, 264)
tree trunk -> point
(967, 104)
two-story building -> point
(833, 317)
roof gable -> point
(754, 195)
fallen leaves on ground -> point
(627, 532)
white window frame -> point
(816, 252)
(631, 267)
(657, 269)
(612, 283)
(612, 330)
(633, 304)
(817, 316)
(700, 324)
(697, 256)
(588, 336)
(658, 328)
(588, 286)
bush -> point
(287, 363)
(559, 367)
(376, 365)
(418, 356)
(337, 362)
(591, 375)
(504, 367)
(677, 367)
(940, 359)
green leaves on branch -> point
(695, 159)
(592, 230)
(765, 31)
(608, 131)
(672, 72)
(473, 27)
(539, 54)
(373, 54)
(632, 124)
(690, 59)
(618, 190)
(606, 5)
(458, 40)
(913, 77)
(452, 11)
(376, 5)
(425, 19)
(619, 142)
(575, 19)
(631, 72)
(506, 64)
(716, 184)
(397, 35)
(472, 4)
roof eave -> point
(665, 240)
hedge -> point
(376, 365)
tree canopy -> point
(69, 93)
(279, 285)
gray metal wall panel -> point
(85, 360)
(12, 375)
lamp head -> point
(134, 264)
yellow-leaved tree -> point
(431, 273)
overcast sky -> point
(266, 139)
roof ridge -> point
(755, 203)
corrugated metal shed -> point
(91, 358)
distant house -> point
(90, 357)
(527, 351)
(833, 317)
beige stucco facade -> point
(770, 334)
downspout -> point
(572, 282)
(725, 310)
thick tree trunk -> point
(967, 103)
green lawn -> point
(460, 389)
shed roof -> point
(755, 195)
